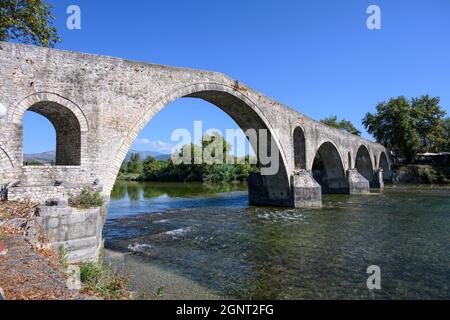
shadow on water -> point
(213, 237)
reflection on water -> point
(213, 237)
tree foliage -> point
(343, 125)
(447, 134)
(227, 168)
(27, 21)
(408, 127)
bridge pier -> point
(378, 180)
(357, 184)
(306, 192)
(268, 191)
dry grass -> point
(13, 209)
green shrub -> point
(101, 279)
(62, 256)
(88, 198)
(427, 173)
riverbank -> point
(421, 174)
(150, 282)
(32, 268)
(30, 273)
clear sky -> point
(317, 56)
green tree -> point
(226, 150)
(28, 21)
(429, 118)
(135, 164)
(408, 127)
(447, 134)
(343, 125)
(153, 170)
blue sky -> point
(315, 56)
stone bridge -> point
(98, 105)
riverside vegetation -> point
(150, 169)
(407, 127)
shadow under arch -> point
(67, 128)
(299, 148)
(363, 163)
(328, 169)
(235, 104)
(384, 164)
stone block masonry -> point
(80, 231)
(98, 106)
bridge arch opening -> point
(363, 163)
(299, 149)
(328, 169)
(384, 164)
(270, 189)
(67, 133)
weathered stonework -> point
(306, 191)
(79, 231)
(357, 184)
(99, 105)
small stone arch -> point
(384, 164)
(363, 163)
(68, 131)
(67, 118)
(16, 112)
(332, 178)
(299, 143)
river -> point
(191, 241)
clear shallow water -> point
(213, 237)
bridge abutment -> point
(78, 231)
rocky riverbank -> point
(152, 282)
(421, 174)
(32, 269)
(31, 273)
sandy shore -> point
(146, 280)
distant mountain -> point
(49, 156)
(44, 157)
(146, 154)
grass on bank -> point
(86, 199)
(100, 279)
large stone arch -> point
(234, 103)
(363, 163)
(334, 178)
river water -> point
(195, 241)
